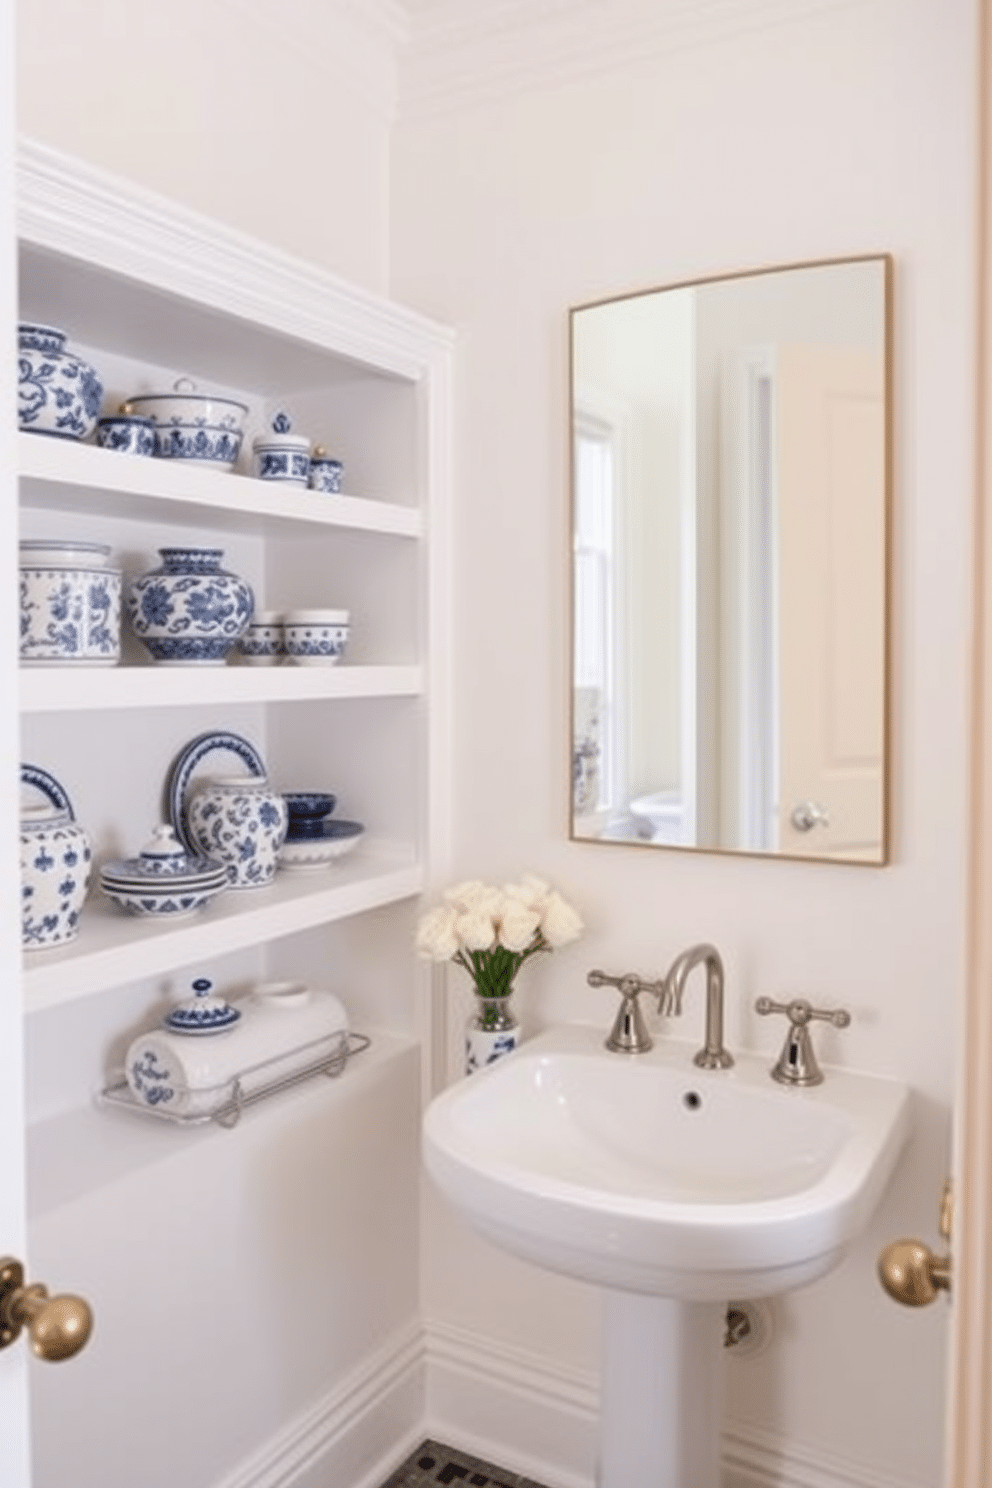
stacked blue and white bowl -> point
(163, 879)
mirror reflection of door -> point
(741, 696)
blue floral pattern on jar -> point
(58, 393)
(190, 609)
(240, 823)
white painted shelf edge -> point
(237, 500)
(76, 1152)
(86, 688)
(113, 949)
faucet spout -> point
(712, 1055)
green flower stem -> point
(493, 971)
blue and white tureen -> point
(164, 879)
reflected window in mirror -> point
(730, 493)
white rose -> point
(476, 932)
(436, 937)
(473, 897)
(559, 922)
(531, 892)
(517, 926)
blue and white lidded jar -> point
(70, 604)
(190, 611)
(281, 456)
(326, 473)
(241, 822)
(57, 392)
(126, 432)
(56, 861)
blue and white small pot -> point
(280, 455)
(190, 611)
(262, 644)
(241, 822)
(492, 1031)
(57, 392)
(163, 880)
(315, 637)
(56, 862)
(127, 433)
(203, 428)
(326, 473)
(70, 605)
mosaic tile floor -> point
(434, 1465)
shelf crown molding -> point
(72, 208)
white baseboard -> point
(504, 1404)
(357, 1435)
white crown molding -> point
(75, 209)
(460, 55)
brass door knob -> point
(57, 1326)
(910, 1272)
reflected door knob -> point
(808, 815)
(57, 1326)
(910, 1272)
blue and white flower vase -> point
(56, 861)
(57, 392)
(190, 611)
(241, 822)
(491, 1032)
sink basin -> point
(647, 1174)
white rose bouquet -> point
(492, 931)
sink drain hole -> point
(692, 1100)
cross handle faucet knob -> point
(797, 1065)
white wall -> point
(272, 118)
(618, 159)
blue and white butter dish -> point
(164, 879)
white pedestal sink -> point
(677, 1189)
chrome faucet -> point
(712, 1055)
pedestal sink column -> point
(661, 1406)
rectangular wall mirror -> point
(730, 497)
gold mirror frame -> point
(605, 332)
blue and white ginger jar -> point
(56, 861)
(241, 822)
(190, 611)
(57, 392)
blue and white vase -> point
(56, 861)
(57, 392)
(241, 822)
(190, 611)
(491, 1032)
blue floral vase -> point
(491, 1032)
(239, 821)
(190, 611)
(57, 392)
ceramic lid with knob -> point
(163, 862)
(280, 437)
(202, 1013)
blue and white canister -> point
(70, 604)
(241, 822)
(57, 392)
(326, 473)
(280, 455)
(190, 611)
(127, 433)
(56, 862)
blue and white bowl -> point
(190, 611)
(70, 605)
(57, 392)
(280, 455)
(203, 428)
(163, 880)
(315, 637)
(261, 644)
(127, 433)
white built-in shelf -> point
(113, 948)
(106, 483)
(68, 689)
(81, 1151)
